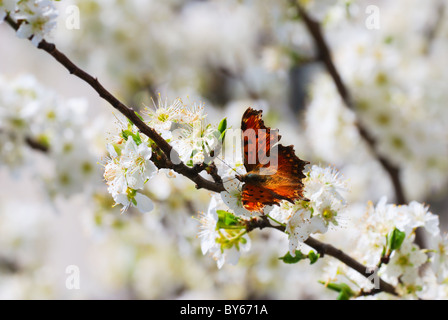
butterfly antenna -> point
(227, 165)
(230, 179)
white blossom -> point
(163, 116)
(211, 237)
(232, 197)
(39, 19)
(439, 257)
(405, 262)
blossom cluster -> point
(128, 170)
(384, 240)
(37, 17)
(34, 117)
(186, 128)
(129, 165)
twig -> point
(324, 55)
(8, 265)
(175, 163)
(31, 142)
(36, 145)
(327, 249)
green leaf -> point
(140, 117)
(137, 138)
(345, 292)
(125, 134)
(395, 239)
(288, 258)
(313, 256)
(222, 126)
(227, 220)
(343, 295)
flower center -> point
(403, 261)
(163, 117)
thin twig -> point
(327, 249)
(36, 145)
(175, 163)
(9, 265)
(31, 142)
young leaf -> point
(226, 220)
(288, 258)
(125, 134)
(313, 256)
(140, 117)
(345, 292)
(137, 138)
(343, 295)
(223, 135)
(222, 126)
(395, 239)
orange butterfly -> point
(273, 174)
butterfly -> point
(274, 172)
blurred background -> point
(55, 211)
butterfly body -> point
(253, 178)
(274, 172)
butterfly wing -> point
(286, 182)
(284, 170)
(283, 184)
(256, 197)
(257, 139)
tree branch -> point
(324, 55)
(174, 161)
(327, 249)
(36, 145)
(31, 142)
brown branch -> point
(327, 249)
(36, 145)
(31, 142)
(174, 161)
(324, 55)
(9, 265)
